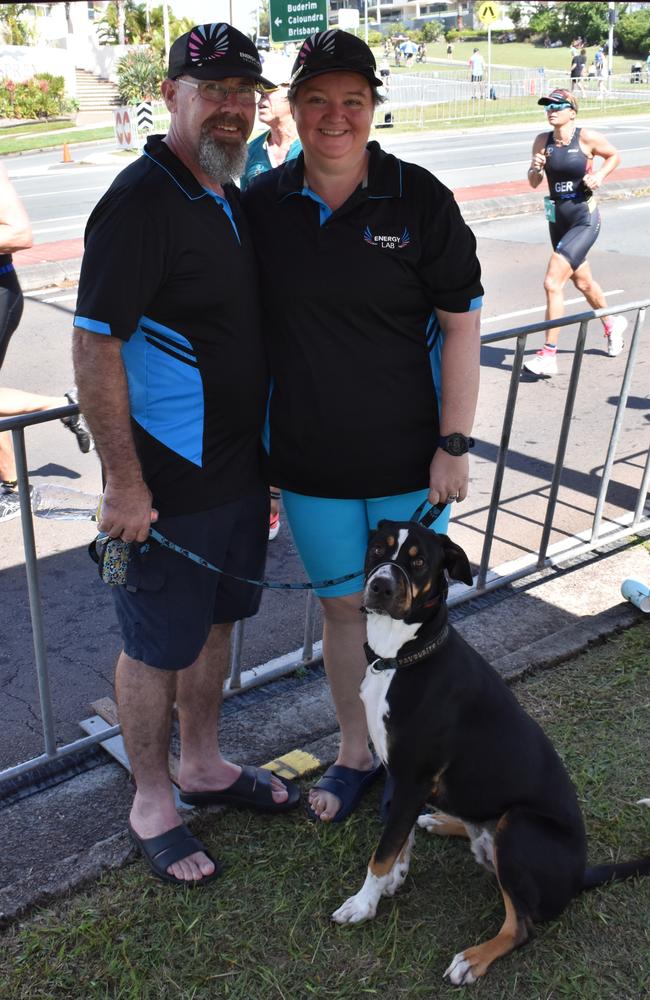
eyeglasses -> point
(209, 90)
(557, 107)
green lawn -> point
(25, 138)
(510, 54)
(263, 930)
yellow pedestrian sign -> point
(489, 12)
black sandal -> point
(174, 845)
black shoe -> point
(78, 425)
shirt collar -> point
(384, 175)
(162, 156)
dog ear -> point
(456, 562)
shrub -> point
(40, 97)
(375, 39)
(139, 75)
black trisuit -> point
(577, 219)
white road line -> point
(41, 297)
(59, 229)
(635, 207)
(63, 218)
(53, 194)
(536, 309)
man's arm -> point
(449, 475)
(104, 400)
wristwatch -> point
(455, 444)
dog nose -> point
(382, 587)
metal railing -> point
(446, 93)
(634, 521)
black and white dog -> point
(452, 734)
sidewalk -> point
(60, 262)
(64, 836)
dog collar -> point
(406, 659)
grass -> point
(29, 139)
(263, 931)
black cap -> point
(214, 52)
(329, 51)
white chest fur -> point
(387, 635)
(374, 689)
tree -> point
(141, 26)
(15, 30)
(633, 32)
(568, 20)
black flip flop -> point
(251, 790)
(174, 845)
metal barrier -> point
(446, 94)
(486, 580)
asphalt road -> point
(60, 197)
(81, 634)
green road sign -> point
(294, 20)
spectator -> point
(477, 68)
(578, 70)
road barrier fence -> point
(635, 520)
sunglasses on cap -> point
(558, 107)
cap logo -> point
(323, 41)
(207, 42)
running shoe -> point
(77, 424)
(614, 336)
(543, 364)
(10, 504)
(274, 526)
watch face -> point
(456, 444)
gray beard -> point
(221, 162)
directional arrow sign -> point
(295, 20)
(489, 12)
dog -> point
(452, 735)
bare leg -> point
(557, 274)
(145, 696)
(344, 633)
(199, 695)
(12, 403)
(585, 282)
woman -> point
(371, 279)
(565, 156)
(16, 234)
(578, 70)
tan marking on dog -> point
(436, 783)
(390, 541)
(448, 826)
(472, 963)
(380, 869)
(413, 551)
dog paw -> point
(460, 971)
(355, 910)
(428, 822)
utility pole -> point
(610, 43)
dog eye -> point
(377, 550)
(417, 563)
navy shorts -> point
(169, 603)
(575, 230)
(11, 309)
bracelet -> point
(536, 170)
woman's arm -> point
(535, 173)
(15, 228)
(596, 144)
(449, 475)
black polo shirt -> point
(169, 268)
(354, 343)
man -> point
(279, 141)
(269, 150)
(171, 376)
(476, 69)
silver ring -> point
(452, 497)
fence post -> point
(31, 568)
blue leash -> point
(425, 521)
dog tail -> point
(602, 874)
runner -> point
(566, 156)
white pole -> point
(489, 79)
(365, 14)
(166, 29)
(610, 50)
